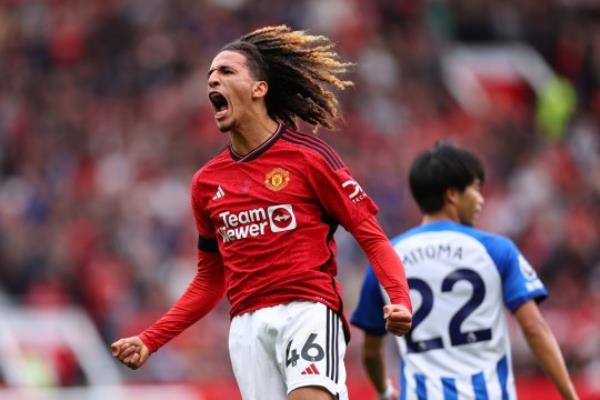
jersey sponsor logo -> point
(282, 218)
(219, 194)
(256, 222)
(277, 179)
(354, 191)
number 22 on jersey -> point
(457, 336)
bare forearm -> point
(548, 354)
(377, 372)
(373, 358)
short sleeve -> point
(206, 232)
(340, 194)
(368, 315)
(520, 282)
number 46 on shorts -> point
(311, 351)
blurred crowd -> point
(104, 120)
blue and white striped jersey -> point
(459, 279)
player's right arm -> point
(542, 342)
(201, 296)
(131, 351)
(522, 290)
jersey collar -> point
(254, 154)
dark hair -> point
(439, 169)
(297, 66)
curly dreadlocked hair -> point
(297, 66)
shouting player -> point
(266, 209)
(459, 278)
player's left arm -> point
(343, 198)
(373, 358)
(389, 271)
(542, 342)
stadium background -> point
(104, 119)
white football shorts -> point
(277, 349)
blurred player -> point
(460, 278)
(266, 209)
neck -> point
(251, 135)
(443, 215)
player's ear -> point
(259, 89)
(451, 196)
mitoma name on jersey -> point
(255, 222)
(429, 252)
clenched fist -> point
(398, 319)
(130, 351)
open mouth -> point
(219, 103)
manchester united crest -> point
(277, 179)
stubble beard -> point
(225, 127)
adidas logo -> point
(311, 370)
(220, 193)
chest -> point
(242, 184)
(256, 199)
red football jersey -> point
(272, 213)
